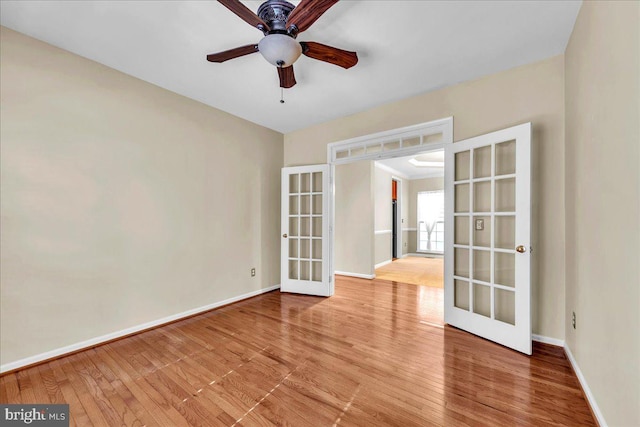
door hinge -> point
(530, 249)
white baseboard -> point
(583, 382)
(547, 340)
(585, 387)
(115, 335)
(382, 264)
(426, 255)
(382, 232)
(358, 275)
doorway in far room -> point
(394, 220)
(413, 254)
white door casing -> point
(488, 237)
(305, 266)
(295, 274)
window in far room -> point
(431, 221)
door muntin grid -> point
(305, 219)
(484, 231)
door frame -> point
(398, 224)
(401, 142)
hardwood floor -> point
(368, 356)
(414, 270)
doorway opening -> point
(394, 220)
(353, 164)
(375, 202)
(385, 235)
(416, 262)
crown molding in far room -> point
(399, 174)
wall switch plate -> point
(479, 224)
(253, 272)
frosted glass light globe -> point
(280, 49)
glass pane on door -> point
(505, 195)
(505, 233)
(482, 299)
(461, 294)
(461, 198)
(462, 165)
(461, 233)
(505, 306)
(506, 158)
(482, 162)
(484, 231)
(305, 226)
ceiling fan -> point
(281, 23)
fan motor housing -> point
(274, 13)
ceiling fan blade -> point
(287, 78)
(245, 14)
(307, 12)
(332, 55)
(232, 53)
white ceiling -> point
(405, 48)
(403, 168)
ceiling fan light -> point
(280, 49)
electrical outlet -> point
(573, 319)
(253, 272)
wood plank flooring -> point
(369, 356)
(414, 270)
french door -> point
(305, 231)
(487, 236)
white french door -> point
(305, 231)
(488, 238)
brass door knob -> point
(285, 235)
(521, 249)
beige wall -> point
(383, 215)
(602, 94)
(354, 218)
(416, 186)
(531, 93)
(382, 196)
(382, 248)
(122, 203)
(406, 239)
(363, 195)
(404, 212)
